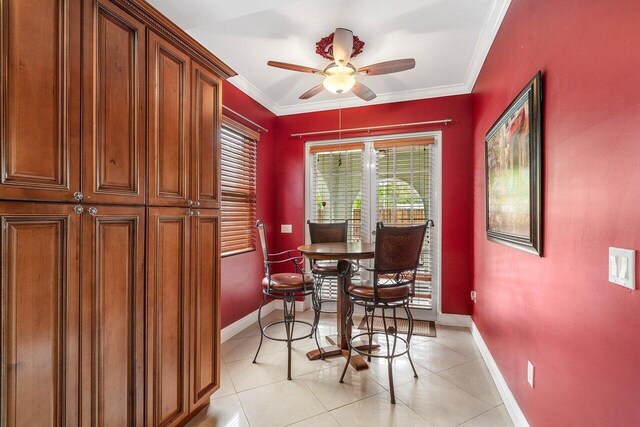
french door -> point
(394, 179)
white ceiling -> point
(449, 40)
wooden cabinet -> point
(113, 315)
(107, 108)
(39, 99)
(167, 308)
(114, 120)
(205, 145)
(204, 368)
(169, 124)
(184, 129)
(39, 314)
(183, 272)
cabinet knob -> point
(78, 196)
(189, 202)
(196, 203)
(92, 211)
(78, 209)
(193, 213)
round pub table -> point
(339, 252)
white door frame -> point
(368, 167)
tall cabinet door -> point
(167, 315)
(39, 314)
(113, 127)
(205, 308)
(113, 316)
(39, 99)
(169, 112)
(205, 137)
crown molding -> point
(383, 98)
(253, 92)
(485, 40)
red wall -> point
(581, 332)
(456, 161)
(242, 274)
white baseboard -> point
(509, 400)
(463, 320)
(248, 320)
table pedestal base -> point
(357, 361)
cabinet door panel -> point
(205, 145)
(39, 314)
(205, 307)
(114, 106)
(167, 310)
(113, 316)
(169, 163)
(39, 99)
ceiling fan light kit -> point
(340, 76)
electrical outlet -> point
(286, 228)
(530, 372)
(474, 296)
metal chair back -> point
(328, 232)
(397, 255)
(263, 244)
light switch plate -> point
(530, 373)
(622, 267)
(286, 228)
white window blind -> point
(336, 191)
(238, 182)
(336, 185)
(404, 192)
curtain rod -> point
(260, 128)
(370, 128)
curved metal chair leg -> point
(348, 322)
(390, 353)
(370, 330)
(316, 320)
(264, 297)
(288, 329)
(391, 390)
(409, 333)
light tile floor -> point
(454, 386)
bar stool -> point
(287, 287)
(397, 257)
(321, 270)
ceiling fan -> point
(340, 75)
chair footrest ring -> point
(279, 322)
(399, 351)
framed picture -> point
(513, 164)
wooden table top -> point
(338, 251)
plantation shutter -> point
(238, 182)
(405, 196)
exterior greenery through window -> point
(238, 182)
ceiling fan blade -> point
(312, 92)
(342, 46)
(293, 67)
(361, 91)
(388, 67)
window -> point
(388, 179)
(404, 193)
(337, 174)
(238, 173)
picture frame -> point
(513, 172)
